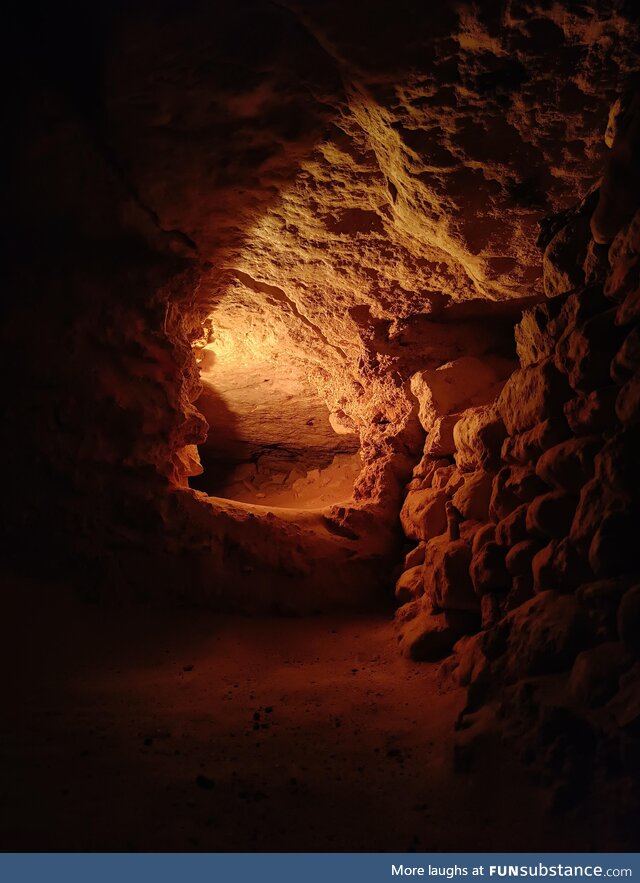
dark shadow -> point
(87, 251)
(222, 450)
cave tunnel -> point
(320, 426)
(272, 440)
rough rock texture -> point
(351, 189)
(457, 385)
(555, 562)
(354, 194)
(370, 230)
(426, 125)
(558, 571)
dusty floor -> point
(134, 729)
(301, 488)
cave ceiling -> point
(341, 172)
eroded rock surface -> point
(356, 192)
(552, 559)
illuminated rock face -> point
(349, 174)
(526, 565)
(386, 159)
(538, 489)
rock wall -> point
(527, 516)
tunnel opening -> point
(272, 439)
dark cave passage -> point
(317, 312)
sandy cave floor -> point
(144, 729)
(308, 489)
